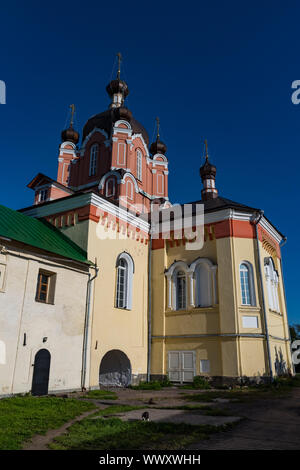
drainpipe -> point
(255, 221)
(149, 312)
(86, 325)
(281, 244)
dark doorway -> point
(41, 371)
(115, 369)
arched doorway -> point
(41, 371)
(115, 369)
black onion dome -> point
(158, 147)
(208, 170)
(122, 113)
(70, 135)
(117, 86)
(106, 120)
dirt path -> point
(40, 442)
(270, 424)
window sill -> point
(123, 308)
(249, 308)
(275, 312)
(192, 310)
(43, 302)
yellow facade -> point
(217, 333)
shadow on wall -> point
(280, 363)
(115, 369)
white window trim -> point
(171, 275)
(120, 152)
(139, 165)
(190, 282)
(107, 194)
(251, 284)
(212, 298)
(129, 182)
(158, 176)
(128, 281)
(44, 191)
(272, 281)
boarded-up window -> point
(121, 153)
(250, 321)
(160, 184)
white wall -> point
(62, 323)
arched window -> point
(139, 165)
(125, 270)
(110, 187)
(203, 285)
(247, 284)
(180, 290)
(129, 189)
(272, 281)
(93, 159)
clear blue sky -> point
(210, 69)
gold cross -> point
(119, 55)
(157, 123)
(206, 151)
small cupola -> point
(158, 146)
(70, 135)
(208, 175)
(117, 89)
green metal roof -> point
(38, 233)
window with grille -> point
(122, 284)
(180, 290)
(93, 160)
(245, 286)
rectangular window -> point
(43, 195)
(204, 366)
(45, 287)
(139, 166)
(2, 276)
(245, 286)
(250, 322)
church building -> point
(158, 308)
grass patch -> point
(101, 394)
(278, 389)
(23, 417)
(199, 383)
(111, 434)
(152, 385)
